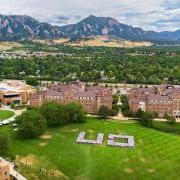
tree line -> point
(139, 65)
(34, 121)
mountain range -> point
(15, 28)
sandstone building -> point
(13, 91)
(8, 172)
(90, 97)
(162, 99)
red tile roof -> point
(86, 94)
(159, 98)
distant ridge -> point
(22, 27)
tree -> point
(115, 109)
(75, 113)
(171, 120)
(5, 143)
(125, 109)
(104, 112)
(115, 98)
(147, 119)
(139, 113)
(32, 81)
(124, 99)
(13, 105)
(30, 124)
(54, 113)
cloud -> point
(168, 5)
(156, 15)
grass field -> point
(5, 114)
(156, 156)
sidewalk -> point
(11, 119)
(164, 120)
(18, 176)
(119, 117)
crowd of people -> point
(111, 140)
(81, 139)
(130, 141)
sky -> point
(156, 15)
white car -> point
(6, 122)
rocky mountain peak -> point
(22, 27)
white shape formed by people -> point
(112, 140)
(81, 139)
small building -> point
(7, 171)
(17, 92)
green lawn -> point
(5, 114)
(156, 156)
(166, 127)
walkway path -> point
(118, 118)
(164, 120)
(122, 118)
(11, 119)
(18, 176)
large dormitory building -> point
(162, 99)
(90, 97)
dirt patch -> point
(143, 160)
(129, 170)
(151, 170)
(57, 173)
(28, 160)
(126, 160)
(46, 136)
(140, 141)
(90, 131)
(43, 144)
(107, 42)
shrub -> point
(30, 124)
(5, 143)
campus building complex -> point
(17, 92)
(162, 99)
(90, 97)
